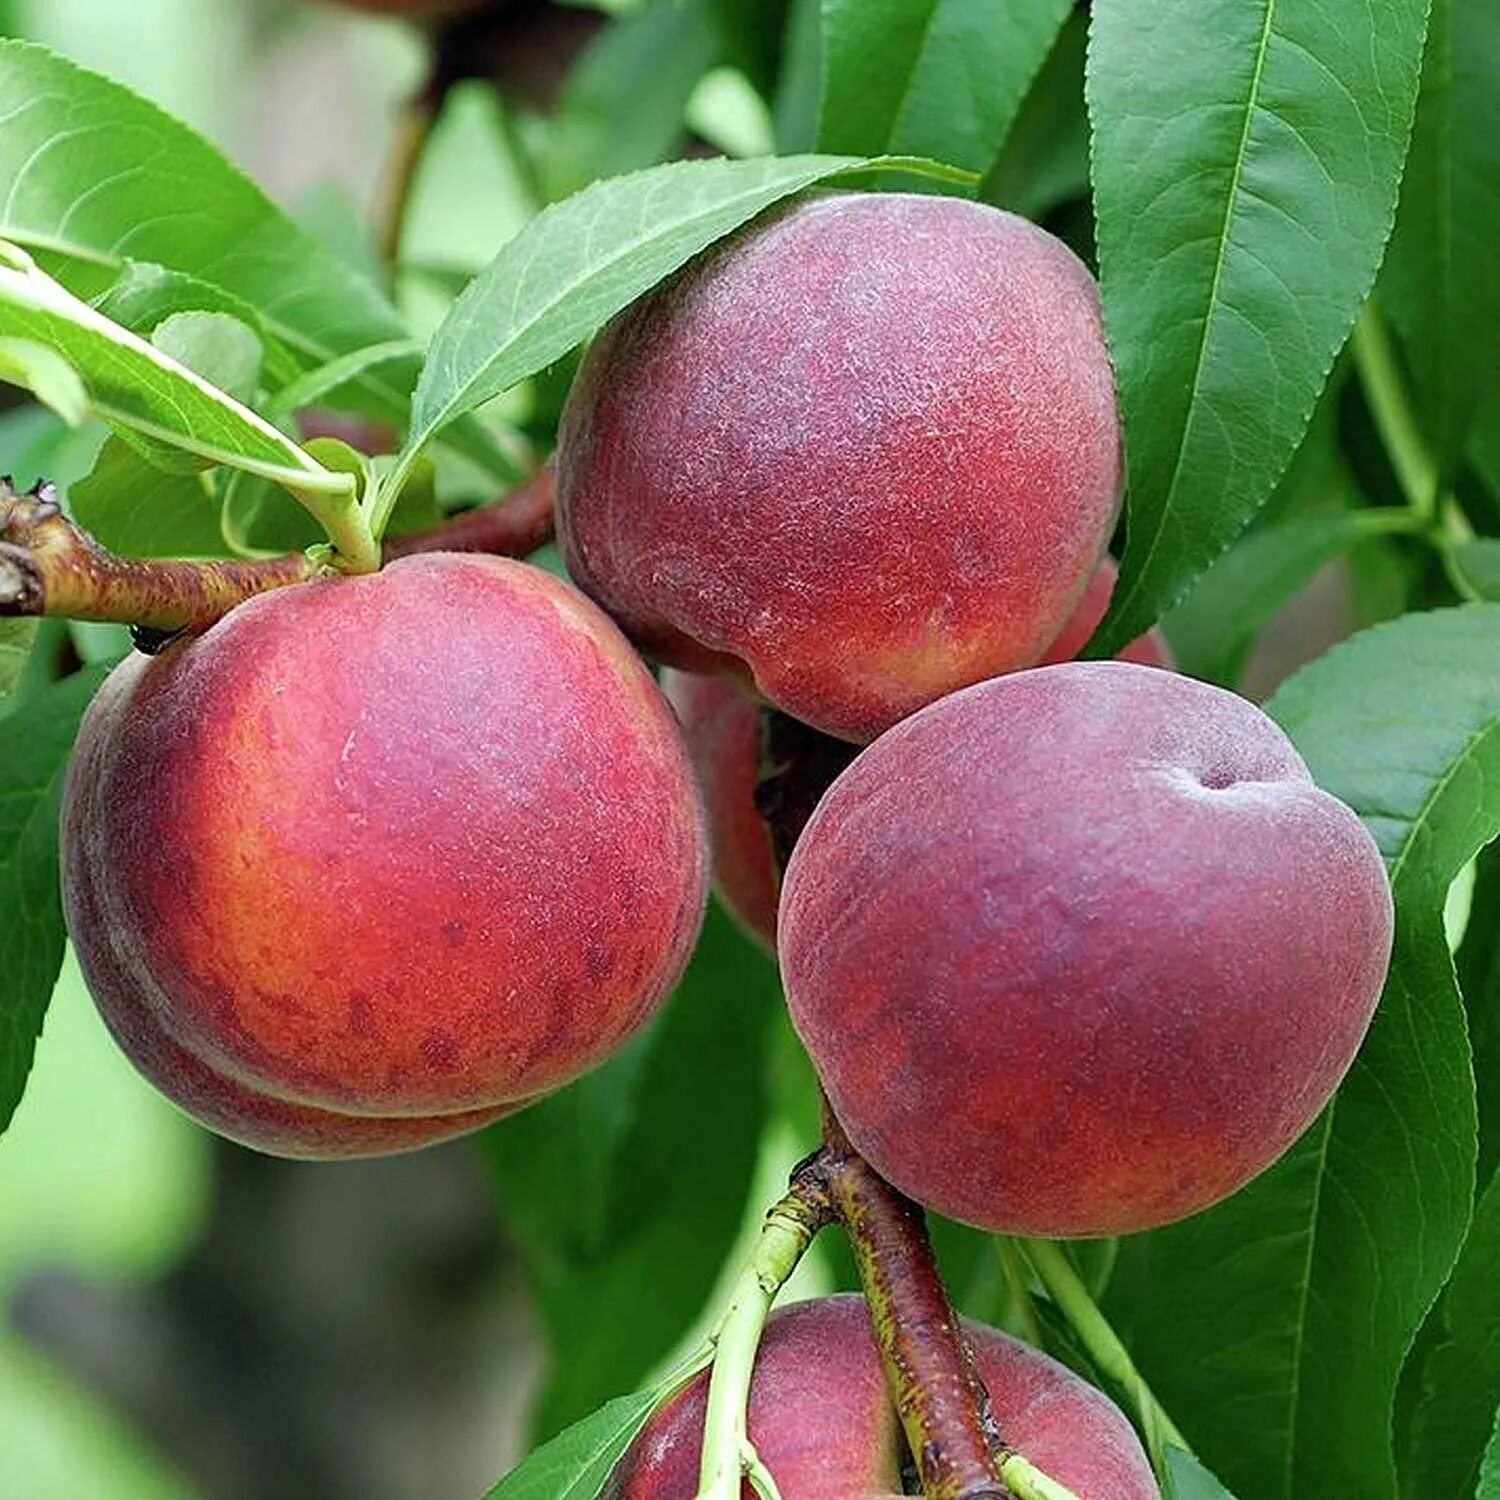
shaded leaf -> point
(1477, 564)
(622, 107)
(33, 755)
(650, 1170)
(1187, 1479)
(576, 1463)
(1274, 1326)
(16, 637)
(217, 346)
(47, 375)
(1045, 161)
(938, 78)
(1441, 280)
(1246, 157)
(131, 506)
(1478, 963)
(1452, 1423)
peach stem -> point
(939, 1396)
(49, 566)
(1065, 1287)
(788, 1230)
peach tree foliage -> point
(1291, 207)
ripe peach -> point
(1081, 950)
(864, 454)
(1150, 650)
(722, 725)
(822, 1421)
(375, 860)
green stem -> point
(1380, 375)
(1020, 1294)
(1027, 1482)
(1065, 1287)
(355, 547)
(785, 1236)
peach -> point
(722, 726)
(1150, 650)
(823, 1424)
(376, 860)
(863, 454)
(1081, 950)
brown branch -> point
(50, 566)
(513, 526)
(934, 1382)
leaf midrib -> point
(1231, 204)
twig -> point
(50, 566)
(943, 1405)
(788, 1231)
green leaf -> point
(1441, 281)
(131, 506)
(47, 375)
(33, 754)
(580, 262)
(1476, 564)
(938, 78)
(1187, 1479)
(220, 348)
(16, 637)
(144, 296)
(623, 105)
(652, 1170)
(1045, 162)
(136, 387)
(1213, 629)
(1246, 157)
(576, 1464)
(1489, 1478)
(1274, 1326)
(313, 386)
(98, 176)
(1478, 963)
(1461, 1378)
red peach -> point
(822, 1421)
(1081, 950)
(375, 860)
(721, 724)
(865, 453)
(1150, 650)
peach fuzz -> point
(1081, 950)
(823, 1424)
(863, 454)
(375, 860)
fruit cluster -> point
(1076, 947)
